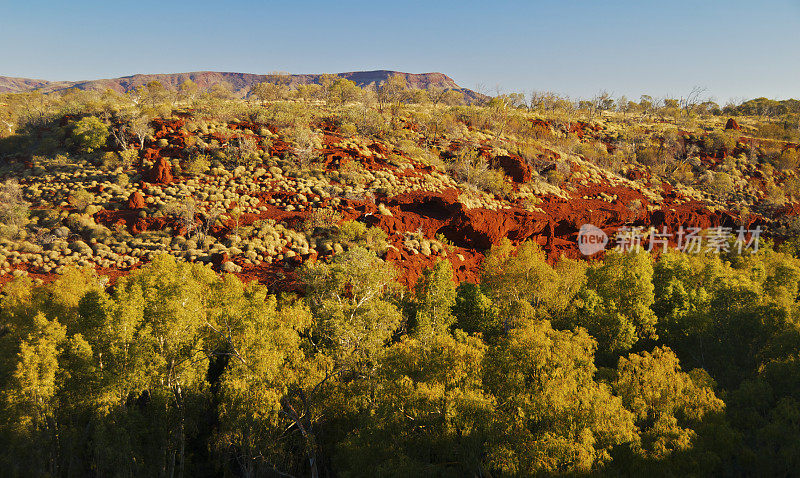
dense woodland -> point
(632, 365)
(675, 366)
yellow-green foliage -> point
(173, 344)
(357, 233)
(197, 165)
(89, 134)
(80, 199)
(14, 209)
(788, 159)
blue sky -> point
(735, 49)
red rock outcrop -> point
(732, 124)
(219, 258)
(515, 167)
(136, 201)
(161, 173)
(477, 229)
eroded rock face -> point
(515, 167)
(161, 172)
(441, 213)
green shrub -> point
(14, 210)
(197, 165)
(351, 231)
(717, 140)
(355, 233)
(128, 157)
(122, 180)
(80, 199)
(321, 217)
(774, 195)
(473, 170)
(649, 155)
(554, 177)
(721, 185)
(89, 134)
(595, 152)
(348, 129)
(110, 161)
(683, 174)
(787, 159)
(792, 187)
(782, 131)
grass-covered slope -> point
(256, 189)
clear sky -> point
(735, 49)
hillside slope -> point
(264, 210)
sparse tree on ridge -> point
(187, 91)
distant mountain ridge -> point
(241, 82)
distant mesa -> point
(241, 82)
